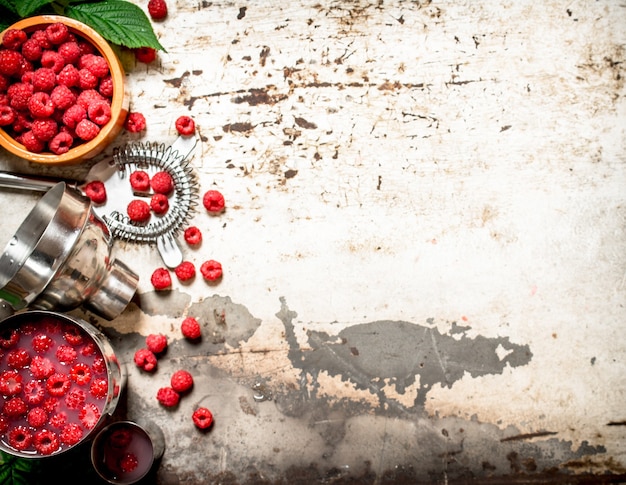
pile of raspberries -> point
(55, 88)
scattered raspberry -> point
(211, 270)
(159, 204)
(10, 383)
(185, 125)
(138, 210)
(18, 358)
(71, 434)
(87, 130)
(96, 191)
(161, 279)
(58, 384)
(89, 415)
(128, 462)
(99, 387)
(37, 417)
(140, 181)
(57, 33)
(181, 381)
(193, 235)
(167, 397)
(156, 343)
(146, 360)
(80, 373)
(20, 438)
(46, 442)
(66, 354)
(41, 367)
(99, 112)
(185, 271)
(213, 201)
(145, 54)
(75, 399)
(190, 328)
(162, 183)
(14, 407)
(135, 122)
(9, 338)
(157, 9)
(202, 418)
(34, 392)
(13, 39)
(42, 343)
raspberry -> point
(42, 343)
(88, 96)
(18, 358)
(211, 270)
(73, 335)
(140, 181)
(193, 235)
(7, 115)
(95, 64)
(61, 143)
(135, 122)
(86, 47)
(68, 76)
(9, 338)
(4, 424)
(34, 392)
(89, 349)
(62, 97)
(41, 38)
(156, 343)
(213, 201)
(146, 360)
(41, 367)
(40, 105)
(157, 9)
(138, 210)
(161, 279)
(74, 115)
(46, 442)
(57, 33)
(44, 129)
(70, 52)
(190, 328)
(37, 417)
(20, 438)
(99, 365)
(75, 399)
(71, 434)
(87, 130)
(14, 407)
(89, 415)
(13, 39)
(4, 85)
(66, 354)
(51, 405)
(53, 60)
(19, 94)
(44, 79)
(58, 384)
(32, 50)
(80, 373)
(128, 462)
(31, 142)
(87, 79)
(181, 381)
(162, 183)
(185, 125)
(10, 62)
(96, 191)
(58, 420)
(10, 383)
(167, 397)
(185, 271)
(202, 418)
(99, 112)
(120, 438)
(105, 88)
(159, 204)
(145, 54)
(99, 388)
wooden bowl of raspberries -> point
(62, 96)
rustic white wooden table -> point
(423, 246)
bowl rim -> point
(119, 101)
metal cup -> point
(125, 452)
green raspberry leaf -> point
(29, 7)
(8, 5)
(118, 21)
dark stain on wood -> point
(239, 127)
(258, 96)
(302, 123)
(177, 81)
(528, 436)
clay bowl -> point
(119, 100)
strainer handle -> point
(10, 180)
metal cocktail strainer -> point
(115, 173)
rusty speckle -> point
(529, 436)
(290, 173)
(265, 52)
(246, 407)
(242, 12)
(354, 351)
(302, 123)
(177, 81)
(241, 127)
(257, 96)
